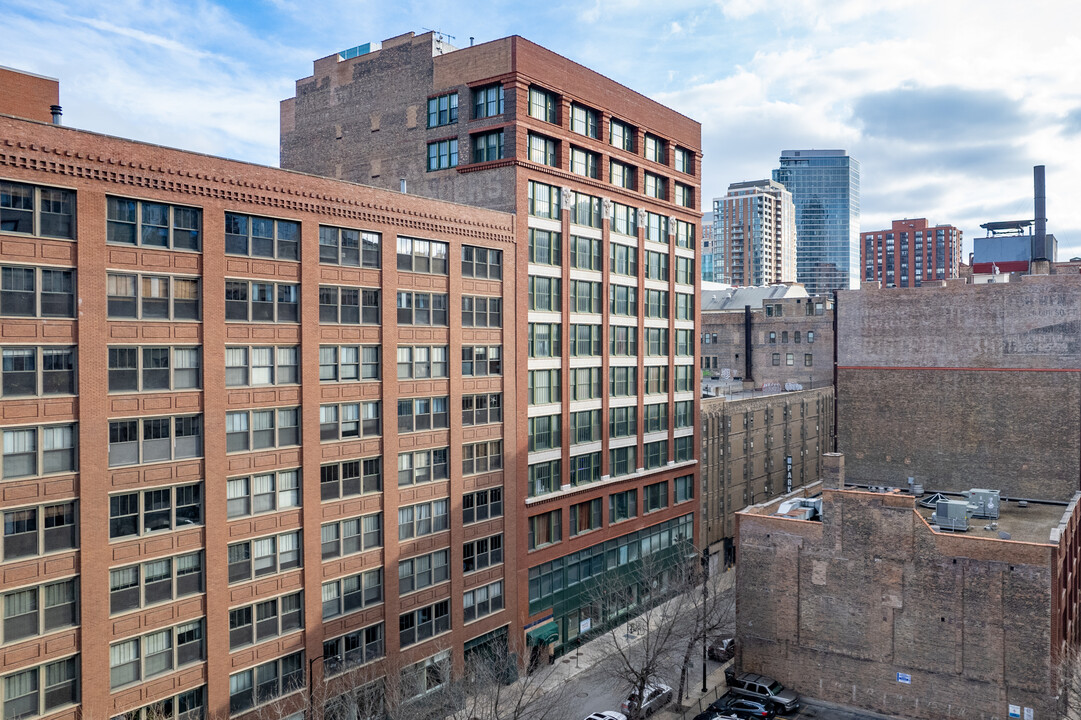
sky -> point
(947, 104)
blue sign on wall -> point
(904, 678)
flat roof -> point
(1024, 524)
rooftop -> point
(735, 298)
(1033, 524)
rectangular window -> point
(417, 414)
(483, 601)
(156, 653)
(156, 225)
(542, 150)
(348, 363)
(39, 450)
(488, 101)
(423, 519)
(443, 110)
(422, 256)
(544, 432)
(352, 248)
(481, 553)
(349, 478)
(39, 610)
(482, 505)
(656, 300)
(545, 529)
(422, 466)
(624, 260)
(585, 516)
(585, 253)
(684, 160)
(266, 492)
(585, 383)
(685, 343)
(544, 340)
(424, 623)
(656, 228)
(685, 233)
(545, 294)
(622, 300)
(622, 175)
(488, 146)
(655, 149)
(416, 308)
(264, 556)
(655, 417)
(655, 186)
(583, 162)
(259, 365)
(482, 457)
(443, 154)
(484, 263)
(622, 506)
(37, 292)
(353, 650)
(149, 369)
(544, 477)
(622, 461)
(622, 135)
(684, 448)
(623, 381)
(251, 301)
(684, 195)
(423, 571)
(265, 682)
(422, 362)
(261, 237)
(584, 121)
(585, 426)
(353, 593)
(482, 311)
(656, 266)
(33, 210)
(655, 496)
(585, 210)
(32, 531)
(349, 305)
(37, 371)
(685, 414)
(544, 247)
(267, 619)
(157, 510)
(622, 421)
(808, 360)
(657, 341)
(585, 340)
(482, 409)
(544, 200)
(684, 306)
(543, 105)
(624, 220)
(685, 270)
(623, 340)
(656, 379)
(585, 468)
(44, 688)
(482, 361)
(656, 454)
(349, 420)
(157, 581)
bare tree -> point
(1068, 669)
(497, 687)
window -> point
(585, 253)
(621, 135)
(30, 451)
(656, 454)
(622, 421)
(350, 420)
(156, 653)
(622, 506)
(261, 365)
(341, 597)
(585, 426)
(543, 105)
(656, 228)
(656, 379)
(482, 457)
(623, 340)
(352, 477)
(421, 624)
(656, 300)
(353, 248)
(810, 336)
(267, 619)
(585, 516)
(32, 531)
(684, 448)
(545, 529)
(776, 359)
(488, 146)
(422, 308)
(481, 553)
(30, 371)
(583, 162)
(261, 237)
(348, 363)
(482, 409)
(657, 341)
(352, 650)
(684, 160)
(423, 519)
(488, 101)
(684, 195)
(655, 149)
(33, 210)
(684, 378)
(808, 360)
(655, 417)
(622, 461)
(422, 362)
(481, 361)
(622, 381)
(478, 262)
(482, 505)
(773, 338)
(544, 247)
(349, 305)
(422, 466)
(622, 175)
(684, 342)
(685, 307)
(685, 413)
(252, 301)
(351, 536)
(188, 705)
(542, 150)
(443, 154)
(482, 311)
(39, 610)
(155, 581)
(685, 270)
(544, 200)
(789, 359)
(416, 414)
(483, 601)
(544, 340)
(265, 682)
(585, 468)
(264, 556)
(585, 340)
(623, 300)
(423, 571)
(584, 121)
(585, 383)
(37, 292)
(544, 477)
(266, 492)
(685, 234)
(544, 432)
(684, 488)
(656, 265)
(134, 369)
(137, 222)
(655, 186)
(23, 696)
(426, 676)
(156, 510)
(545, 294)
(422, 256)
(655, 496)
(443, 110)
(261, 429)
(624, 260)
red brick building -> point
(910, 253)
(604, 183)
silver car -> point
(657, 695)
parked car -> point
(657, 695)
(721, 649)
(607, 715)
(741, 707)
(714, 715)
(764, 689)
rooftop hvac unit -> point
(951, 515)
(983, 503)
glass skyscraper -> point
(825, 187)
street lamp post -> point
(705, 600)
(311, 687)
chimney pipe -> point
(1040, 251)
(470, 41)
(57, 112)
(402, 185)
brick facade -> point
(27, 95)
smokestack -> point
(1040, 249)
(57, 112)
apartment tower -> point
(600, 450)
(757, 229)
(910, 252)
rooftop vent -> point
(951, 515)
(983, 503)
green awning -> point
(543, 634)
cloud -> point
(938, 114)
(1072, 122)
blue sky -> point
(947, 104)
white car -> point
(607, 715)
(657, 695)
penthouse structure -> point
(253, 431)
(756, 232)
(910, 253)
(604, 184)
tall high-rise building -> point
(825, 187)
(756, 231)
(601, 445)
(910, 252)
(709, 247)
